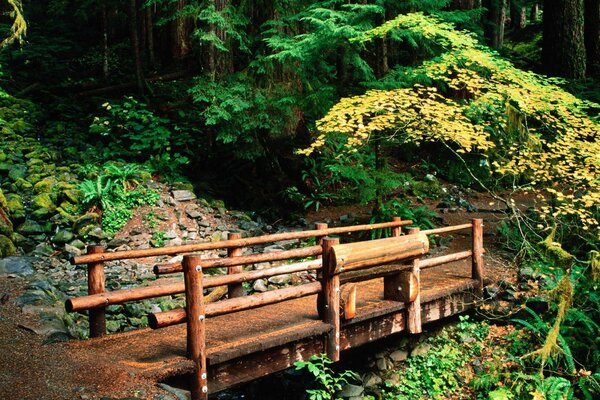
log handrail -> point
(226, 244)
(140, 293)
(243, 260)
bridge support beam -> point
(413, 308)
(196, 332)
(331, 298)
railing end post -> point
(96, 284)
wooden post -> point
(392, 285)
(396, 230)
(319, 274)
(235, 290)
(477, 259)
(196, 318)
(96, 284)
(413, 309)
(331, 299)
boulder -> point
(30, 227)
(62, 236)
(7, 247)
(22, 266)
(183, 195)
(16, 209)
(44, 200)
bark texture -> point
(592, 37)
(563, 50)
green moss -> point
(44, 200)
(7, 248)
(3, 202)
(45, 185)
(22, 184)
(15, 205)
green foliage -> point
(158, 238)
(328, 381)
(135, 132)
(436, 374)
(243, 116)
(421, 216)
(116, 192)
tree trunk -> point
(150, 38)
(495, 21)
(180, 29)
(462, 4)
(518, 15)
(563, 50)
(592, 37)
(223, 60)
(535, 11)
(135, 46)
(104, 16)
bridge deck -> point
(246, 345)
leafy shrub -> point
(328, 382)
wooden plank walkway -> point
(243, 346)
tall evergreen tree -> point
(563, 50)
(592, 36)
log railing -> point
(398, 259)
(95, 258)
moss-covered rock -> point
(40, 213)
(44, 200)
(16, 209)
(3, 202)
(17, 171)
(34, 178)
(62, 236)
(22, 184)
(6, 226)
(88, 221)
(30, 227)
(45, 185)
(7, 247)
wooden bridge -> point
(361, 292)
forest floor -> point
(33, 369)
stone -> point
(421, 349)
(183, 195)
(6, 226)
(194, 214)
(399, 355)
(84, 221)
(372, 379)
(43, 249)
(204, 224)
(78, 244)
(14, 202)
(72, 250)
(43, 200)
(116, 242)
(281, 279)
(40, 213)
(383, 364)
(273, 248)
(30, 227)
(45, 185)
(21, 266)
(7, 247)
(350, 390)
(62, 236)
(22, 184)
(260, 286)
(96, 233)
(17, 171)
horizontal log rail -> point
(226, 244)
(179, 315)
(124, 295)
(447, 229)
(244, 260)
